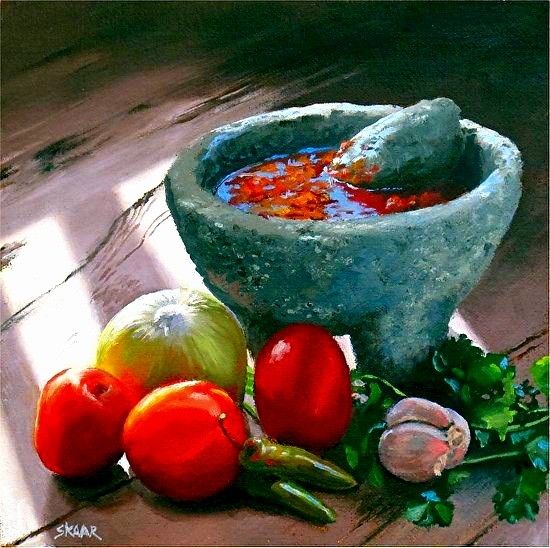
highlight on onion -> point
(174, 335)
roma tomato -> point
(303, 388)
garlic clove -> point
(414, 451)
(458, 436)
(419, 410)
(422, 439)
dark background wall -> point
(490, 57)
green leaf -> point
(494, 416)
(526, 396)
(352, 456)
(482, 437)
(375, 395)
(454, 477)
(364, 445)
(366, 380)
(416, 512)
(438, 362)
(539, 371)
(445, 512)
(537, 450)
(525, 389)
(521, 437)
(375, 476)
(518, 499)
(454, 384)
(429, 509)
(358, 450)
(505, 417)
(458, 373)
(481, 385)
(486, 375)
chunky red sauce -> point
(299, 187)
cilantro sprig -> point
(507, 422)
(507, 419)
(483, 388)
(539, 372)
(430, 509)
(519, 499)
(482, 385)
(358, 450)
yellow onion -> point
(172, 335)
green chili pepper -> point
(293, 463)
(288, 494)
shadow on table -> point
(93, 487)
(230, 500)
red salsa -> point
(299, 187)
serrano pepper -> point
(293, 463)
(287, 494)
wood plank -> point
(473, 513)
(65, 149)
(119, 140)
(100, 175)
(142, 253)
(134, 514)
(142, 240)
(111, 280)
(510, 302)
(519, 534)
(80, 284)
(49, 339)
(87, 136)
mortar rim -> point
(506, 177)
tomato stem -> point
(221, 420)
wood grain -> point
(82, 264)
(129, 515)
(505, 534)
(90, 123)
(475, 493)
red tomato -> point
(79, 421)
(303, 388)
(183, 440)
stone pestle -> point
(417, 145)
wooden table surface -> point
(96, 101)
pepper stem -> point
(251, 411)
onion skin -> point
(171, 336)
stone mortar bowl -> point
(391, 282)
